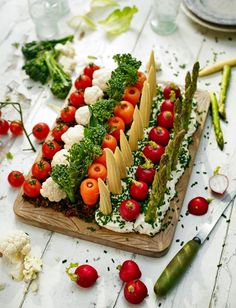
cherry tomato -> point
(160, 135)
(90, 69)
(86, 275)
(59, 130)
(135, 291)
(83, 82)
(68, 114)
(41, 169)
(129, 270)
(166, 119)
(50, 148)
(101, 159)
(16, 178)
(132, 95)
(16, 128)
(89, 191)
(109, 142)
(125, 111)
(4, 127)
(154, 151)
(129, 209)
(40, 131)
(32, 188)
(198, 206)
(96, 171)
(139, 190)
(167, 105)
(77, 99)
(145, 174)
(140, 82)
(116, 124)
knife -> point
(180, 262)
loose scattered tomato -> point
(96, 171)
(135, 291)
(154, 151)
(16, 128)
(160, 135)
(41, 169)
(32, 188)
(4, 127)
(109, 142)
(116, 124)
(129, 209)
(166, 119)
(129, 270)
(40, 131)
(139, 190)
(59, 130)
(83, 82)
(50, 148)
(125, 111)
(77, 99)
(16, 178)
(132, 95)
(68, 114)
(198, 206)
(86, 275)
(140, 82)
(90, 69)
(89, 191)
(101, 159)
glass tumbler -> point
(165, 13)
(45, 15)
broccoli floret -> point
(61, 82)
(101, 111)
(32, 49)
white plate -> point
(207, 24)
(220, 12)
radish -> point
(135, 291)
(84, 275)
(129, 270)
(218, 184)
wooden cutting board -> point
(156, 246)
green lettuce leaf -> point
(76, 21)
(119, 20)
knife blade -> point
(184, 257)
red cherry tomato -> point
(109, 142)
(4, 127)
(129, 270)
(166, 119)
(77, 99)
(90, 69)
(132, 95)
(139, 190)
(16, 128)
(101, 159)
(167, 105)
(116, 124)
(129, 209)
(68, 114)
(41, 169)
(198, 206)
(140, 82)
(50, 148)
(135, 291)
(145, 175)
(154, 151)
(59, 130)
(83, 82)
(125, 111)
(32, 188)
(40, 131)
(15, 178)
(86, 275)
(160, 135)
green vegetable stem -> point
(223, 90)
(176, 268)
(216, 121)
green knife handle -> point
(177, 267)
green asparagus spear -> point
(178, 106)
(176, 147)
(187, 80)
(169, 152)
(216, 121)
(223, 90)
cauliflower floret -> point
(73, 135)
(101, 77)
(68, 64)
(52, 191)
(66, 49)
(15, 246)
(82, 115)
(92, 94)
(60, 158)
(32, 266)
